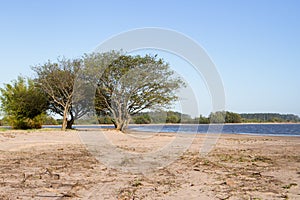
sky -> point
(255, 45)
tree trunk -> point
(121, 122)
(65, 120)
(115, 123)
(70, 123)
(122, 125)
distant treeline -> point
(215, 117)
(269, 117)
(177, 117)
(154, 118)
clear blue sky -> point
(254, 44)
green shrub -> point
(142, 119)
(105, 120)
(23, 104)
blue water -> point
(253, 129)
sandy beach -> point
(50, 164)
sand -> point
(51, 164)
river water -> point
(253, 129)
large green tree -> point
(23, 104)
(59, 82)
(127, 85)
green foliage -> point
(105, 120)
(269, 117)
(187, 119)
(232, 118)
(203, 120)
(157, 117)
(88, 120)
(224, 117)
(58, 80)
(142, 119)
(172, 119)
(48, 120)
(127, 85)
(217, 117)
(25, 123)
(59, 121)
(177, 117)
(160, 117)
(23, 104)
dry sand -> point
(57, 165)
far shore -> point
(244, 123)
(182, 124)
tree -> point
(217, 117)
(59, 81)
(23, 104)
(142, 119)
(232, 117)
(203, 120)
(129, 84)
(173, 117)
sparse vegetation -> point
(232, 170)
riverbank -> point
(52, 164)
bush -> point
(23, 104)
(142, 119)
(25, 123)
(233, 118)
(48, 120)
(203, 120)
(217, 117)
(172, 119)
(105, 120)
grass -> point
(42, 130)
(28, 130)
